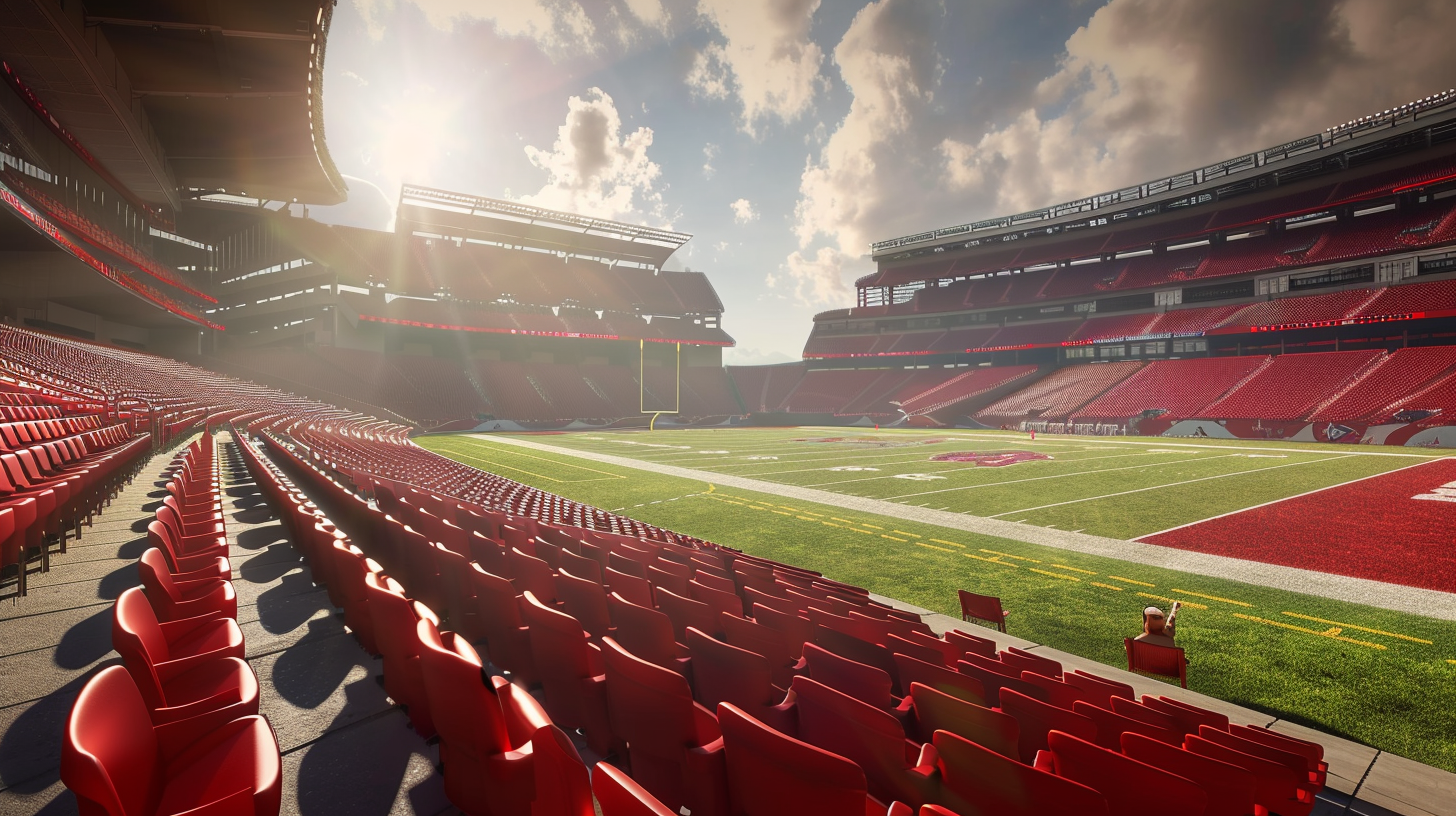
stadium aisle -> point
(55, 638)
(351, 749)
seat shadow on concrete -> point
(85, 642)
(30, 749)
(257, 538)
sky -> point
(787, 135)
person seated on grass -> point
(1156, 629)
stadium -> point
(473, 515)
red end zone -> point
(1375, 528)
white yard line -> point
(986, 470)
(1162, 442)
(1425, 602)
(1060, 476)
(1171, 484)
(1287, 498)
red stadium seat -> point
(672, 741)
(895, 768)
(116, 761)
(987, 727)
(570, 670)
(173, 600)
(1231, 790)
(772, 774)
(501, 754)
(1131, 787)
(723, 673)
(977, 779)
(1036, 719)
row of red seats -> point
(784, 665)
(500, 751)
(55, 474)
(176, 728)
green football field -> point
(1384, 678)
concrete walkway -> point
(346, 747)
(1429, 603)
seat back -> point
(499, 616)
(796, 630)
(644, 632)
(137, 637)
(861, 651)
(562, 659)
(1231, 790)
(157, 578)
(1111, 726)
(1026, 661)
(938, 677)
(1188, 717)
(455, 682)
(1037, 719)
(982, 607)
(109, 756)
(633, 588)
(990, 783)
(619, 795)
(935, 711)
(580, 566)
(652, 710)
(1098, 687)
(531, 574)
(772, 774)
(1276, 786)
(868, 736)
(967, 642)
(1131, 787)
(585, 600)
(723, 672)
(685, 612)
(867, 684)
(1154, 659)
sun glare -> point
(416, 134)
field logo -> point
(875, 441)
(998, 459)
(1445, 493)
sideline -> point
(1424, 602)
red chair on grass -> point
(982, 608)
(1158, 661)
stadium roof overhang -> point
(172, 96)
(1416, 132)
(511, 223)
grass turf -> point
(1379, 677)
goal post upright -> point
(642, 390)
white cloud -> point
(743, 211)
(888, 60)
(710, 153)
(766, 58)
(650, 12)
(823, 277)
(559, 27)
(594, 169)
(1145, 89)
